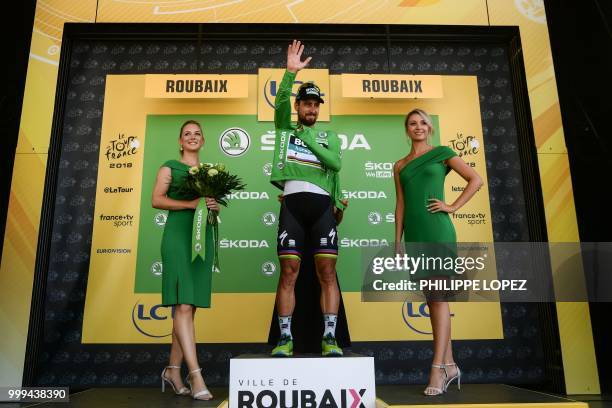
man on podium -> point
(305, 166)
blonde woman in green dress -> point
(421, 216)
(186, 285)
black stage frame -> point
(508, 37)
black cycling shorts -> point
(307, 219)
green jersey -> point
(304, 153)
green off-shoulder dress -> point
(422, 179)
(183, 281)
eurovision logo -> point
(234, 142)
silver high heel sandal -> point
(436, 390)
(456, 376)
(182, 391)
(202, 393)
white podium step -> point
(261, 381)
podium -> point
(306, 381)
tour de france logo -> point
(120, 152)
(234, 142)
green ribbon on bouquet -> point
(198, 233)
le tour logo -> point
(465, 145)
(121, 148)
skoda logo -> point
(374, 217)
(268, 219)
(198, 247)
(157, 268)
(268, 268)
(267, 169)
(160, 219)
(234, 142)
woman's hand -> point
(400, 249)
(436, 205)
(212, 204)
(193, 204)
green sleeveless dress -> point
(421, 179)
(183, 281)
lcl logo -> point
(271, 87)
(414, 314)
(146, 319)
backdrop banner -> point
(139, 134)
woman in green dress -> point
(186, 285)
(421, 216)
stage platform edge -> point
(388, 396)
(470, 396)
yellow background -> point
(19, 250)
